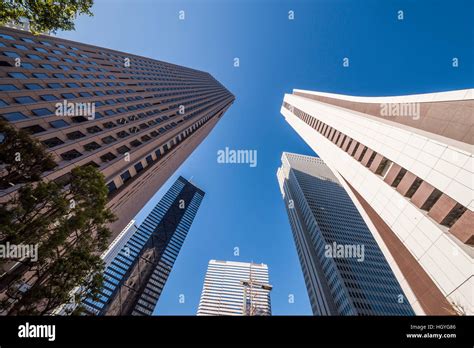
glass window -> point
(78, 119)
(94, 129)
(17, 75)
(109, 156)
(91, 146)
(75, 76)
(85, 94)
(5, 36)
(41, 75)
(138, 167)
(58, 124)
(70, 155)
(11, 54)
(3, 103)
(75, 135)
(125, 176)
(64, 67)
(47, 66)
(48, 97)
(60, 45)
(69, 60)
(42, 112)
(123, 149)
(24, 100)
(25, 39)
(20, 47)
(33, 86)
(34, 56)
(108, 139)
(14, 116)
(59, 76)
(8, 88)
(111, 186)
(52, 142)
(57, 52)
(72, 85)
(53, 59)
(46, 43)
(27, 65)
(68, 96)
(34, 129)
(54, 85)
(40, 49)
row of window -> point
(127, 176)
(57, 58)
(359, 151)
(138, 63)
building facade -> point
(407, 164)
(135, 277)
(344, 269)
(136, 119)
(235, 288)
(118, 243)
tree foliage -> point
(68, 224)
(23, 160)
(44, 15)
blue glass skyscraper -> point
(344, 269)
(135, 278)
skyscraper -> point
(136, 119)
(118, 243)
(137, 274)
(235, 288)
(407, 164)
(344, 269)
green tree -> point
(44, 15)
(68, 224)
(24, 160)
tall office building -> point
(407, 164)
(118, 243)
(108, 256)
(137, 274)
(235, 288)
(344, 269)
(136, 119)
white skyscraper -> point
(235, 288)
(407, 163)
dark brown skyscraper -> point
(134, 118)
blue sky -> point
(243, 207)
